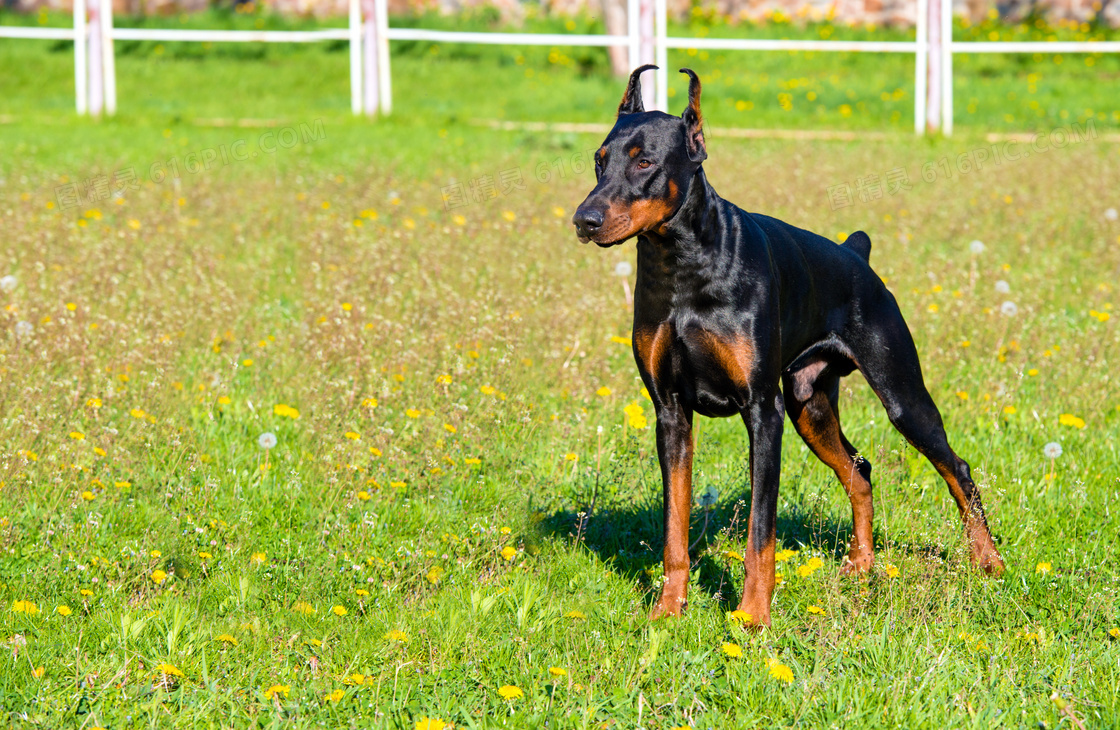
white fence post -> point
(661, 23)
(645, 49)
(80, 79)
(385, 82)
(108, 61)
(355, 56)
(96, 90)
(921, 41)
(370, 76)
(947, 67)
(933, 67)
(633, 34)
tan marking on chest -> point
(652, 345)
(734, 355)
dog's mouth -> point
(607, 238)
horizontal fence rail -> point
(646, 41)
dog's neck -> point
(696, 222)
(682, 257)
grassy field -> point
(288, 442)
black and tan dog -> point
(737, 313)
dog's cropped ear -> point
(693, 121)
(632, 99)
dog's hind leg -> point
(888, 359)
(812, 406)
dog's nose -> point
(587, 221)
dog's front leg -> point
(764, 418)
(674, 452)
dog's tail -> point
(860, 243)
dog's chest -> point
(710, 369)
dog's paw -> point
(668, 606)
(857, 564)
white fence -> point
(646, 40)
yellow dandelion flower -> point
(558, 211)
(374, 451)
(810, 567)
(1010, 410)
(158, 576)
(1114, 632)
(397, 635)
(732, 650)
(87, 496)
(740, 616)
(635, 415)
(732, 555)
(247, 363)
(558, 671)
(257, 559)
(64, 611)
(282, 409)
(1043, 568)
(488, 390)
(509, 215)
(962, 394)
(369, 403)
(780, 671)
(363, 495)
(86, 592)
(891, 571)
(571, 456)
(339, 610)
(426, 723)
(38, 672)
(449, 428)
(335, 696)
(816, 610)
(205, 555)
(1068, 419)
(508, 552)
(278, 689)
(303, 607)
(353, 435)
(576, 615)
(622, 340)
(603, 392)
(169, 670)
(509, 692)
(27, 607)
(444, 379)
(93, 403)
(227, 639)
(412, 413)
(362, 592)
(77, 435)
(472, 461)
(783, 555)
(435, 574)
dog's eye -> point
(643, 164)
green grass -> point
(170, 323)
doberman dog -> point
(737, 313)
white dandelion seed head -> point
(1052, 450)
(623, 268)
(267, 440)
(7, 283)
(1008, 309)
(1111, 214)
(1003, 287)
(977, 247)
(24, 328)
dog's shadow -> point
(630, 539)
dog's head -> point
(643, 168)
